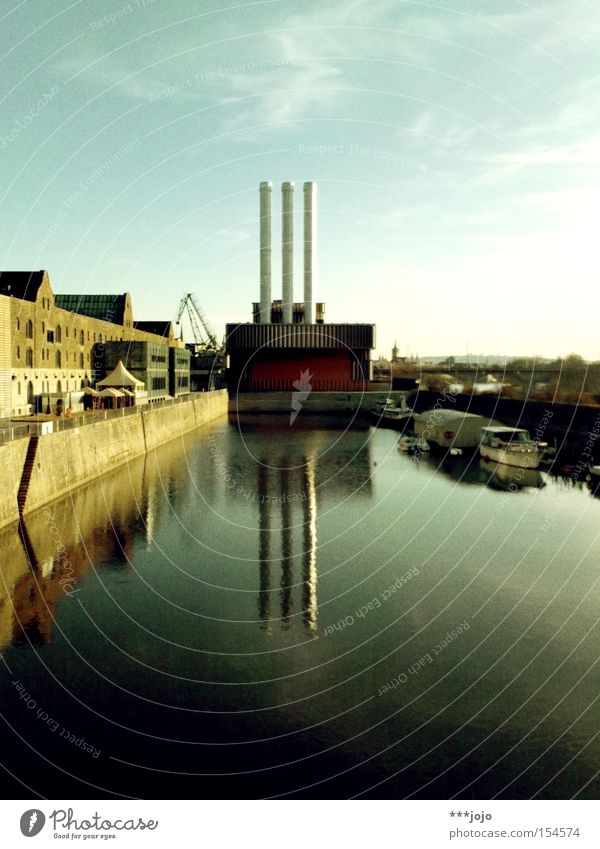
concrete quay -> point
(36, 470)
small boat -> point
(381, 406)
(511, 446)
(413, 443)
(389, 414)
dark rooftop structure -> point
(105, 307)
(159, 328)
(21, 284)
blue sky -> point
(456, 147)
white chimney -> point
(310, 250)
(287, 251)
(265, 253)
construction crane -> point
(207, 363)
(205, 340)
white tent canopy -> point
(119, 376)
(109, 392)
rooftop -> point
(105, 307)
(21, 284)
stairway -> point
(26, 476)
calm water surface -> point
(258, 610)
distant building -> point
(51, 345)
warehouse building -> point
(49, 347)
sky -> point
(456, 147)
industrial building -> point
(53, 346)
(289, 344)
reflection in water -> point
(53, 549)
(164, 644)
(297, 483)
(286, 546)
(309, 605)
(290, 509)
(470, 469)
(264, 544)
(510, 478)
(100, 525)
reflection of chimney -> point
(286, 546)
(265, 253)
(309, 594)
(310, 249)
(264, 545)
(287, 250)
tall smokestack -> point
(265, 253)
(287, 251)
(310, 250)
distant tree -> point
(570, 380)
(436, 382)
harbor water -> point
(262, 609)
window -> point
(50, 336)
(18, 353)
(18, 324)
(29, 358)
(29, 329)
(81, 361)
(59, 334)
(159, 383)
(67, 332)
(57, 359)
(81, 337)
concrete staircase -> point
(27, 470)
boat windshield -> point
(514, 436)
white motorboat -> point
(413, 443)
(511, 446)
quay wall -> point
(12, 461)
(317, 402)
(70, 458)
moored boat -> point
(413, 443)
(390, 414)
(511, 446)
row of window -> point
(69, 386)
(56, 334)
(57, 357)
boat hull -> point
(520, 458)
(402, 422)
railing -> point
(22, 430)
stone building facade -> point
(54, 341)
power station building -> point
(290, 341)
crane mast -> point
(204, 339)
